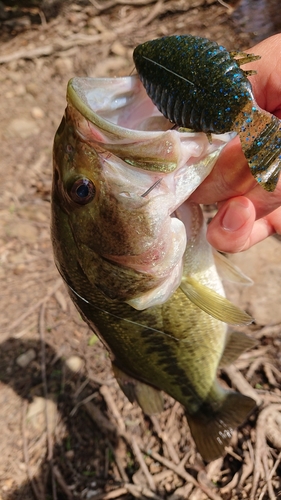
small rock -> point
(36, 413)
(23, 360)
(33, 89)
(118, 49)
(74, 363)
(10, 94)
(63, 65)
(22, 127)
(70, 454)
(19, 269)
(37, 113)
(20, 90)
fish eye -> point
(82, 191)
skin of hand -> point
(246, 213)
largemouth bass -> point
(133, 253)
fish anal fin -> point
(212, 435)
(148, 397)
(237, 342)
(213, 303)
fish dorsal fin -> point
(212, 433)
(213, 303)
(236, 343)
(230, 271)
(148, 397)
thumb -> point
(231, 228)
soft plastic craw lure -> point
(198, 84)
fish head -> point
(120, 172)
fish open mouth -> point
(150, 167)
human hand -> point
(246, 213)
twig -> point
(45, 388)
(154, 12)
(136, 490)
(231, 485)
(38, 493)
(165, 438)
(113, 3)
(62, 482)
(241, 383)
(118, 463)
(119, 492)
(181, 472)
(81, 403)
(104, 390)
(136, 450)
(57, 46)
(272, 472)
(260, 449)
(271, 493)
(100, 419)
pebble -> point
(33, 89)
(118, 49)
(37, 113)
(36, 413)
(63, 65)
(74, 363)
(22, 127)
(23, 360)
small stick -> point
(38, 493)
(45, 388)
(62, 482)
(181, 472)
(105, 392)
(113, 3)
(165, 438)
(137, 452)
(241, 383)
(118, 463)
(58, 46)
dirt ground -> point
(67, 431)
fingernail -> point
(237, 213)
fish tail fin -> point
(212, 434)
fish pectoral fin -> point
(236, 343)
(148, 397)
(229, 271)
(213, 303)
(213, 434)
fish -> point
(198, 84)
(132, 251)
